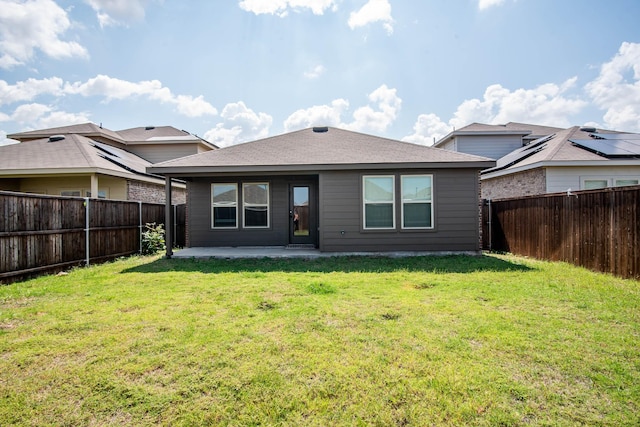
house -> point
(88, 160)
(493, 141)
(333, 189)
(576, 158)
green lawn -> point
(480, 341)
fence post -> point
(140, 222)
(490, 231)
(86, 230)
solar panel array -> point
(611, 145)
(520, 154)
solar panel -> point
(616, 135)
(610, 147)
(520, 154)
(122, 158)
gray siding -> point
(157, 153)
(199, 221)
(455, 215)
(493, 146)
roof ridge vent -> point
(149, 128)
(320, 129)
(589, 129)
(55, 138)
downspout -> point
(86, 231)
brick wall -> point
(515, 185)
(153, 193)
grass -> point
(478, 341)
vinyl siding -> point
(559, 179)
(494, 146)
(455, 215)
(199, 208)
(156, 153)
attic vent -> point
(587, 129)
(320, 129)
(54, 138)
(149, 128)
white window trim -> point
(430, 201)
(214, 205)
(611, 180)
(393, 202)
(245, 205)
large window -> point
(379, 202)
(225, 205)
(593, 183)
(417, 206)
(255, 201)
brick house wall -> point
(153, 193)
(526, 183)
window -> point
(592, 184)
(379, 202)
(417, 206)
(224, 199)
(255, 201)
(625, 182)
(71, 193)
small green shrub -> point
(153, 239)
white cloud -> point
(281, 7)
(315, 72)
(485, 4)
(27, 26)
(240, 124)
(373, 11)
(29, 89)
(112, 88)
(428, 129)
(380, 117)
(118, 12)
(377, 118)
(40, 116)
(617, 89)
(545, 105)
(319, 115)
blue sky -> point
(238, 70)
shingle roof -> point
(74, 152)
(86, 129)
(559, 148)
(335, 148)
(527, 131)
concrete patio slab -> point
(289, 252)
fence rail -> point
(46, 233)
(596, 229)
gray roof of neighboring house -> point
(86, 129)
(512, 128)
(308, 150)
(156, 134)
(148, 134)
(74, 153)
(557, 148)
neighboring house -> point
(334, 189)
(87, 160)
(564, 159)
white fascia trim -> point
(564, 163)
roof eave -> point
(207, 170)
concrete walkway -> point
(288, 252)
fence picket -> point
(40, 232)
(596, 229)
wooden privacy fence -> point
(596, 229)
(43, 233)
